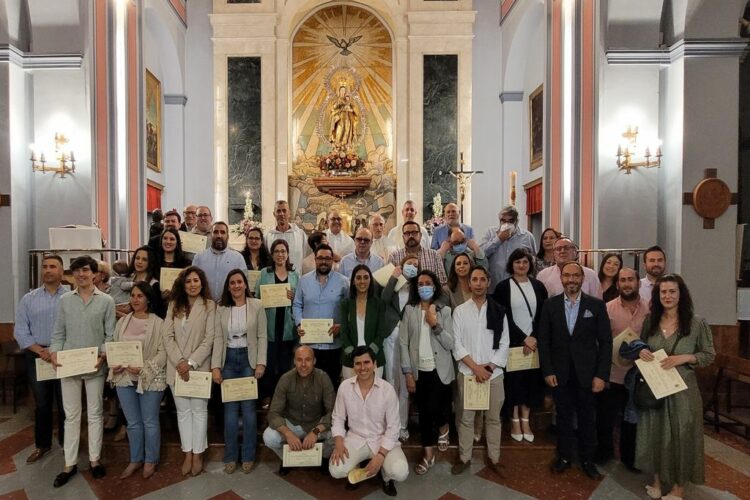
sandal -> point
(443, 441)
(425, 465)
(653, 492)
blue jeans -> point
(237, 365)
(142, 413)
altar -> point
(333, 106)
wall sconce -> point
(66, 161)
(627, 157)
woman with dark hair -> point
(669, 442)
(239, 351)
(426, 340)
(188, 339)
(546, 254)
(143, 267)
(170, 252)
(279, 323)
(457, 288)
(140, 389)
(395, 296)
(522, 297)
(362, 321)
(608, 269)
(255, 252)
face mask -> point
(507, 226)
(460, 248)
(410, 270)
(425, 292)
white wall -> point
(199, 111)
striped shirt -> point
(35, 317)
(428, 259)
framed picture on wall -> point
(153, 122)
(536, 127)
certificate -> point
(476, 396)
(382, 275)
(252, 280)
(275, 295)
(198, 386)
(239, 389)
(125, 354)
(76, 361)
(662, 382)
(316, 331)
(192, 243)
(44, 370)
(303, 458)
(518, 361)
(168, 276)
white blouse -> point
(426, 357)
(237, 334)
(360, 331)
(518, 306)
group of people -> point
(448, 308)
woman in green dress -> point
(669, 441)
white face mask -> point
(507, 226)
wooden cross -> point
(710, 198)
(462, 179)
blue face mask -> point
(460, 248)
(425, 292)
(409, 271)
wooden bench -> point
(731, 371)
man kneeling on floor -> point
(370, 405)
(300, 413)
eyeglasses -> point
(411, 233)
(506, 220)
(363, 240)
(324, 259)
(189, 212)
(204, 215)
(565, 248)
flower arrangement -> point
(338, 162)
(247, 222)
(437, 214)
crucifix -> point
(462, 179)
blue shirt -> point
(216, 265)
(35, 317)
(497, 252)
(442, 233)
(571, 312)
(350, 261)
(322, 301)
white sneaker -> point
(403, 435)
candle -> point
(513, 175)
(42, 158)
(72, 156)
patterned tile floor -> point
(526, 475)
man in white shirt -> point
(655, 261)
(481, 335)
(382, 245)
(341, 242)
(291, 233)
(567, 251)
(409, 213)
(369, 406)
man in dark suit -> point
(575, 353)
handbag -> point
(643, 395)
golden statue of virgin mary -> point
(344, 120)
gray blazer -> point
(257, 340)
(441, 340)
(200, 337)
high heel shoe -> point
(530, 436)
(516, 437)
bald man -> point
(382, 245)
(452, 219)
(342, 243)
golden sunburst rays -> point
(341, 43)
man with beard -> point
(35, 319)
(655, 261)
(318, 296)
(575, 353)
(218, 260)
(628, 310)
(428, 258)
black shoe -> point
(63, 477)
(98, 471)
(283, 471)
(560, 465)
(351, 487)
(389, 488)
(591, 471)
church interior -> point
(622, 124)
